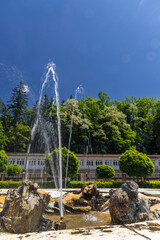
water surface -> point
(81, 220)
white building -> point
(88, 163)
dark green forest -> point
(100, 125)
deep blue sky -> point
(108, 45)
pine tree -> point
(18, 103)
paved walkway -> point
(140, 231)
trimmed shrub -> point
(13, 170)
(79, 184)
(53, 158)
(134, 163)
(105, 172)
(149, 184)
(10, 184)
(111, 184)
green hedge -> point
(79, 184)
(149, 184)
(10, 184)
(111, 184)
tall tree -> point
(3, 138)
(104, 99)
(18, 103)
(79, 126)
(118, 134)
(18, 138)
(3, 161)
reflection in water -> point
(82, 220)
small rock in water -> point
(59, 225)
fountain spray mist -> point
(33, 130)
(79, 90)
(50, 69)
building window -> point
(115, 163)
(98, 163)
(81, 163)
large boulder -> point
(23, 209)
(126, 207)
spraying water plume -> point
(79, 90)
(50, 70)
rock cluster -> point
(23, 209)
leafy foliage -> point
(134, 163)
(18, 137)
(104, 172)
(52, 161)
(13, 169)
(99, 125)
(3, 161)
(3, 137)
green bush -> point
(10, 184)
(53, 158)
(105, 172)
(135, 163)
(13, 170)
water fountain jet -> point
(50, 69)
